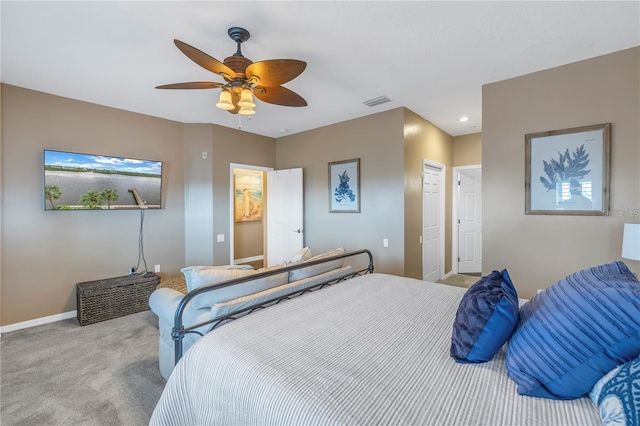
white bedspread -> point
(373, 350)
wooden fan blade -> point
(204, 60)
(275, 72)
(279, 96)
(192, 85)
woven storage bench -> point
(110, 298)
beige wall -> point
(378, 141)
(44, 254)
(467, 150)
(423, 140)
(541, 249)
(198, 208)
(209, 215)
(234, 146)
(1, 204)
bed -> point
(374, 349)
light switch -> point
(385, 242)
(220, 238)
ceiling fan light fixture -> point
(246, 99)
(225, 102)
(246, 111)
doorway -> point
(467, 220)
(433, 203)
(246, 235)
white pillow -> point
(226, 308)
(300, 256)
(299, 274)
(198, 276)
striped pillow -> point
(575, 332)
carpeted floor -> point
(460, 280)
(64, 374)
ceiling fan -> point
(244, 78)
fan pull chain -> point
(239, 121)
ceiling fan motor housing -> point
(238, 64)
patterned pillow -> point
(618, 395)
(572, 334)
(486, 318)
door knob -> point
(299, 231)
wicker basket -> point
(178, 284)
(110, 298)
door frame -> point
(442, 215)
(232, 235)
(454, 214)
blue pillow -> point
(572, 334)
(618, 395)
(486, 318)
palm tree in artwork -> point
(51, 193)
(91, 199)
(109, 195)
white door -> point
(470, 220)
(431, 227)
(284, 214)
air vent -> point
(376, 101)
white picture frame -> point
(344, 186)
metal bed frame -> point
(179, 330)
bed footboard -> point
(179, 330)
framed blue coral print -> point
(567, 171)
(344, 186)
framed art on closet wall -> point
(567, 171)
(344, 186)
(248, 189)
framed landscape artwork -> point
(567, 171)
(77, 181)
(344, 186)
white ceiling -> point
(431, 57)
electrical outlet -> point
(156, 268)
(385, 242)
(204, 155)
(220, 238)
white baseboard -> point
(447, 275)
(248, 259)
(38, 321)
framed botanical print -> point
(344, 186)
(567, 171)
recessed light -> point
(463, 119)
